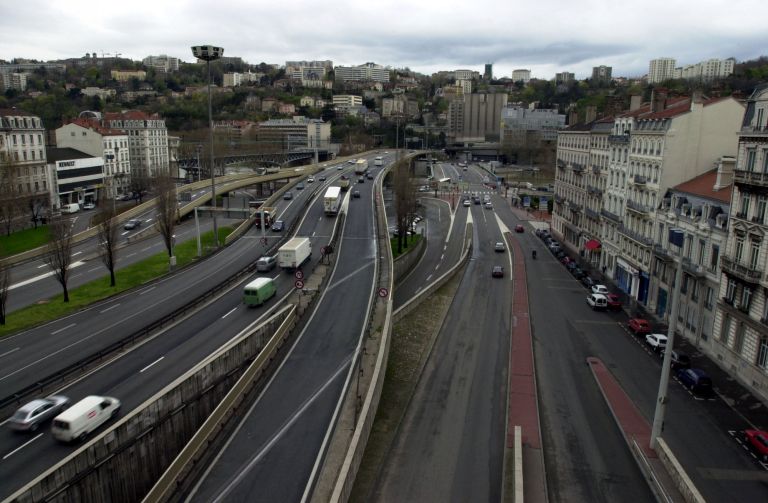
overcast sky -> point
(545, 36)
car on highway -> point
(519, 228)
(361, 180)
(131, 224)
(278, 226)
(339, 167)
(311, 179)
(499, 247)
(497, 271)
(614, 302)
(600, 289)
(657, 342)
(639, 326)
(356, 194)
(476, 199)
(695, 380)
(467, 203)
(30, 416)
(300, 186)
(288, 196)
(489, 205)
(89, 206)
(757, 441)
(351, 161)
(597, 301)
(321, 178)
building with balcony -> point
(363, 73)
(162, 63)
(87, 135)
(24, 174)
(573, 145)
(296, 133)
(147, 141)
(601, 73)
(126, 75)
(347, 100)
(699, 208)
(661, 69)
(740, 334)
(655, 147)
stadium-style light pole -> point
(210, 53)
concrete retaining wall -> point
(124, 462)
(675, 470)
(407, 261)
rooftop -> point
(703, 186)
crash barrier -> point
(407, 261)
(417, 299)
(675, 470)
(124, 462)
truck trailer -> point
(361, 166)
(268, 215)
(332, 200)
(294, 253)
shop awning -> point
(592, 244)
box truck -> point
(268, 213)
(332, 200)
(294, 253)
(82, 418)
(258, 291)
(379, 161)
(361, 166)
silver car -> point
(36, 412)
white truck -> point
(332, 200)
(379, 161)
(82, 418)
(294, 253)
(361, 166)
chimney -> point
(573, 117)
(658, 99)
(634, 102)
(590, 114)
(725, 167)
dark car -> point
(588, 281)
(679, 360)
(361, 180)
(639, 326)
(578, 273)
(321, 178)
(131, 224)
(278, 226)
(614, 302)
(497, 271)
(356, 194)
(519, 228)
(32, 415)
(288, 195)
(369, 176)
(571, 265)
(695, 380)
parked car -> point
(554, 246)
(600, 289)
(678, 360)
(639, 326)
(560, 254)
(571, 265)
(597, 301)
(695, 380)
(32, 415)
(499, 247)
(578, 273)
(757, 441)
(132, 224)
(614, 302)
(519, 228)
(497, 271)
(657, 342)
(278, 226)
(89, 206)
(588, 282)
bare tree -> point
(5, 284)
(166, 203)
(58, 254)
(108, 228)
(9, 194)
(37, 204)
(404, 202)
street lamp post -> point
(199, 170)
(210, 53)
(676, 238)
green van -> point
(258, 291)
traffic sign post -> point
(299, 284)
(383, 292)
(298, 274)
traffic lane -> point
(450, 445)
(317, 360)
(586, 457)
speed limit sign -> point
(298, 274)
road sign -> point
(298, 274)
(299, 284)
(383, 292)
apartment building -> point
(706, 70)
(601, 73)
(147, 141)
(573, 154)
(347, 100)
(126, 75)
(699, 208)
(296, 133)
(362, 73)
(740, 333)
(162, 63)
(565, 77)
(519, 123)
(23, 167)
(521, 75)
(86, 134)
(596, 179)
(661, 69)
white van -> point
(597, 301)
(80, 419)
(70, 208)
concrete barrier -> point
(407, 261)
(675, 470)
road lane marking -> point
(428, 278)
(126, 232)
(154, 362)
(109, 309)
(42, 265)
(62, 329)
(150, 247)
(230, 312)
(22, 446)
(147, 290)
(94, 269)
(77, 253)
(130, 255)
(42, 276)
(9, 352)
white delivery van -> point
(70, 208)
(82, 418)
